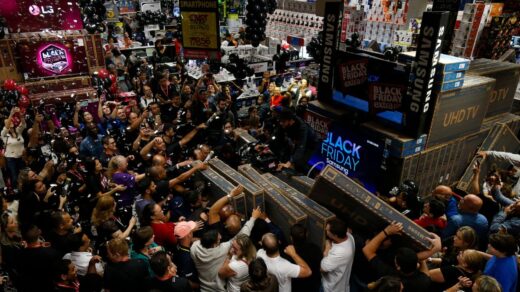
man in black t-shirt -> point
(122, 273)
(61, 224)
(405, 261)
(311, 254)
(166, 279)
(34, 262)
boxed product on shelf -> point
(403, 38)
(495, 10)
(58, 84)
(507, 76)
(443, 86)
(446, 63)
(460, 111)
(352, 22)
(283, 23)
(396, 143)
(496, 38)
(474, 19)
(450, 76)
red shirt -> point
(164, 235)
(426, 221)
(276, 100)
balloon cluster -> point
(167, 5)
(94, 13)
(178, 33)
(2, 27)
(104, 81)
(271, 6)
(280, 61)
(15, 95)
(256, 21)
(315, 46)
(149, 17)
(391, 53)
(354, 41)
(238, 67)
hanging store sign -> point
(200, 29)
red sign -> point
(34, 16)
(201, 54)
(353, 73)
(320, 124)
(386, 97)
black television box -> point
(280, 210)
(317, 215)
(363, 210)
(220, 187)
(254, 194)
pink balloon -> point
(103, 73)
(24, 101)
(113, 78)
(22, 90)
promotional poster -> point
(200, 29)
(32, 16)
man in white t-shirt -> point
(338, 257)
(281, 268)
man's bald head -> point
(270, 244)
(443, 192)
(470, 204)
(233, 224)
(158, 160)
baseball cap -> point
(184, 228)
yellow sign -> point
(199, 30)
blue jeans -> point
(14, 165)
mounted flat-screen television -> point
(45, 59)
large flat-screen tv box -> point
(365, 212)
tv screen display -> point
(35, 16)
(351, 152)
(372, 85)
(42, 59)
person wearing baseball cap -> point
(185, 265)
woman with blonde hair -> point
(236, 269)
(465, 238)
(486, 284)
(482, 284)
(107, 225)
(470, 264)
